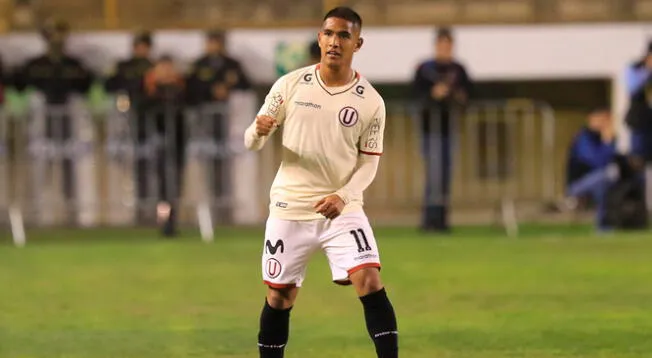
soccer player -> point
(333, 122)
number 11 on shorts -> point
(360, 237)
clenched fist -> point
(265, 125)
(330, 207)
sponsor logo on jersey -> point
(359, 91)
(274, 105)
(348, 116)
(273, 268)
(280, 204)
(307, 104)
(374, 133)
(306, 79)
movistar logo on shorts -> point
(307, 104)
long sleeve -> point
(252, 140)
(274, 106)
(363, 176)
(370, 150)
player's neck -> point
(336, 77)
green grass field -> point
(556, 292)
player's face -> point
(339, 39)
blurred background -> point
(123, 113)
(121, 123)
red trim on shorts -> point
(370, 153)
(363, 266)
(279, 285)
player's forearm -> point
(252, 140)
(362, 177)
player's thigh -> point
(286, 251)
(350, 245)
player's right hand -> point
(265, 125)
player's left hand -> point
(330, 206)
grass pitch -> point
(555, 292)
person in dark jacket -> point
(213, 76)
(592, 164)
(57, 75)
(639, 116)
(442, 88)
(128, 74)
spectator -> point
(212, 78)
(442, 87)
(595, 169)
(639, 116)
(57, 75)
(164, 83)
(127, 79)
(128, 74)
(215, 75)
(164, 86)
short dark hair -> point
(346, 13)
(444, 33)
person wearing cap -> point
(57, 75)
(638, 78)
(441, 87)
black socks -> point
(381, 323)
(274, 331)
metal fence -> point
(507, 164)
(62, 165)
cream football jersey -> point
(324, 131)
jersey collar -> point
(333, 91)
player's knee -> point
(366, 281)
(281, 298)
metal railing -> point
(60, 165)
(506, 164)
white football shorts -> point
(348, 242)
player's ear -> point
(359, 44)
